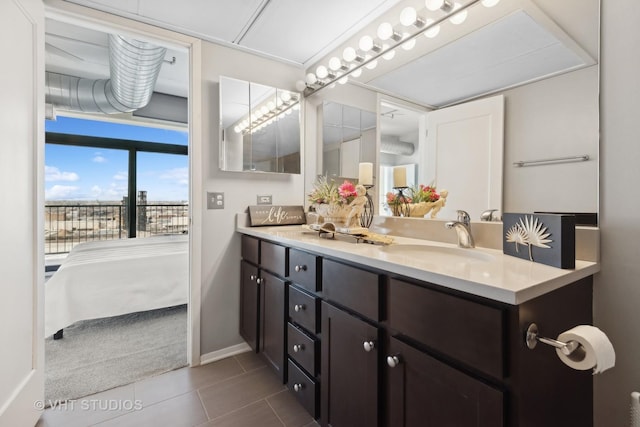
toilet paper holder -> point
(532, 339)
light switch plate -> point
(215, 200)
(265, 199)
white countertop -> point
(486, 272)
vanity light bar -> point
(280, 109)
(369, 51)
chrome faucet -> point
(463, 229)
(490, 215)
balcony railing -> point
(67, 225)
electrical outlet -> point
(265, 200)
(215, 200)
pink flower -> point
(347, 189)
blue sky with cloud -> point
(97, 174)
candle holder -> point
(367, 216)
(401, 205)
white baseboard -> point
(224, 353)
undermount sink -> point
(423, 252)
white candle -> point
(365, 174)
(399, 176)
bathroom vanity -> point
(413, 334)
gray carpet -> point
(97, 355)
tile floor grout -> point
(241, 366)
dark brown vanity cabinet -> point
(262, 300)
(350, 381)
(303, 341)
(364, 347)
(424, 392)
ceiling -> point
(298, 32)
(516, 41)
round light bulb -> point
(388, 55)
(490, 3)
(286, 96)
(335, 64)
(311, 78)
(271, 105)
(385, 31)
(366, 43)
(236, 129)
(357, 73)
(373, 64)
(349, 54)
(343, 80)
(322, 72)
(301, 85)
(264, 110)
(433, 5)
(459, 17)
(408, 16)
(409, 44)
(433, 31)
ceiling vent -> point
(134, 69)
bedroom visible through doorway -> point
(116, 237)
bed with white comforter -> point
(114, 277)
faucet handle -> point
(488, 215)
(464, 217)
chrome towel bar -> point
(569, 159)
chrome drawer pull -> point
(298, 386)
(369, 345)
(393, 361)
(298, 347)
(299, 268)
(299, 307)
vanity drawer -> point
(464, 330)
(250, 249)
(303, 309)
(356, 289)
(303, 349)
(273, 258)
(304, 268)
(304, 388)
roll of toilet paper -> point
(595, 349)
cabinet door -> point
(424, 392)
(249, 309)
(349, 370)
(272, 321)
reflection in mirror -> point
(399, 142)
(348, 138)
(260, 128)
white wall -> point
(556, 117)
(220, 243)
(617, 286)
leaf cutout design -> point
(517, 235)
(536, 232)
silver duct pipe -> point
(134, 69)
(399, 148)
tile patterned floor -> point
(239, 391)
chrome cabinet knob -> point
(393, 361)
(299, 268)
(298, 347)
(298, 307)
(258, 280)
(369, 345)
(298, 386)
(253, 277)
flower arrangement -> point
(424, 193)
(327, 192)
(421, 200)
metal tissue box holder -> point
(532, 339)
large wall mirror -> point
(348, 137)
(260, 128)
(540, 57)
